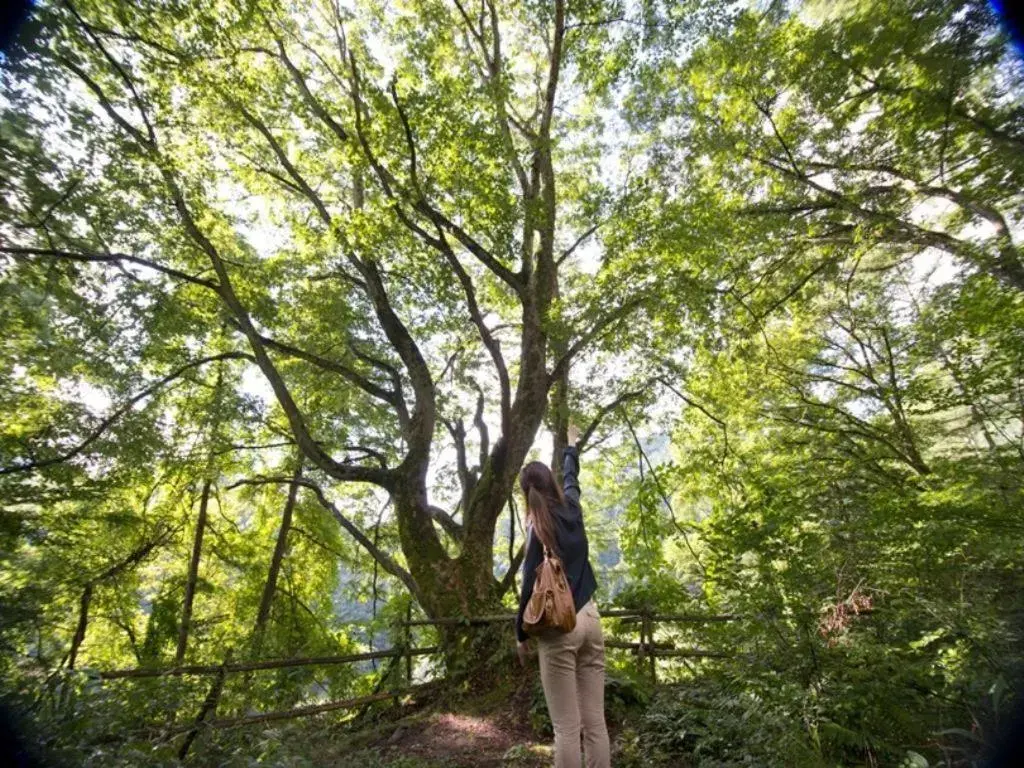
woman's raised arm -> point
(571, 466)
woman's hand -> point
(572, 434)
(523, 651)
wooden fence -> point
(647, 649)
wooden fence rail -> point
(628, 614)
(252, 666)
(647, 650)
(312, 709)
(645, 647)
(664, 650)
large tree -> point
(371, 206)
(287, 296)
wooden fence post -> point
(642, 647)
(647, 628)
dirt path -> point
(492, 730)
(454, 739)
(489, 730)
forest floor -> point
(501, 728)
(453, 740)
(450, 731)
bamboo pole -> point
(695, 618)
(313, 709)
(643, 648)
(664, 650)
(692, 653)
(646, 637)
(202, 669)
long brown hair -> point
(542, 493)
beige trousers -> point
(572, 672)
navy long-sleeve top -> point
(573, 547)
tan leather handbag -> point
(551, 605)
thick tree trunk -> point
(465, 586)
(193, 575)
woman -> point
(571, 664)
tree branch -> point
(467, 479)
(311, 101)
(494, 81)
(111, 258)
(282, 158)
(492, 345)
(106, 423)
(386, 561)
(623, 310)
(509, 578)
(664, 496)
(481, 427)
(577, 243)
(603, 411)
(296, 421)
(388, 396)
(129, 83)
(419, 204)
(451, 527)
